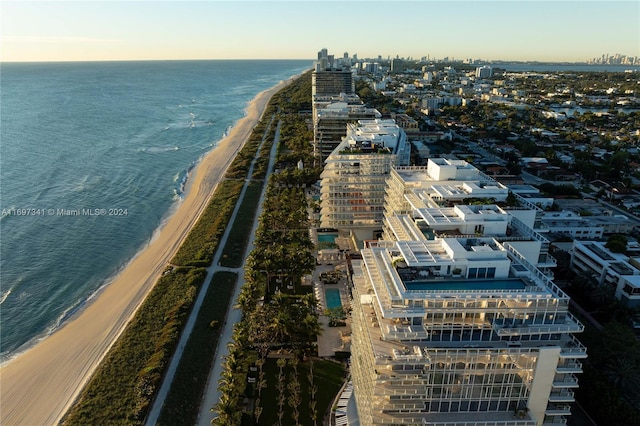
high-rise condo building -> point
(332, 81)
(331, 77)
(353, 181)
(455, 317)
(331, 114)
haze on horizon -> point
(571, 31)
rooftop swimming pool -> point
(327, 238)
(332, 296)
(437, 285)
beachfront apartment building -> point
(331, 114)
(442, 182)
(440, 191)
(331, 76)
(618, 271)
(352, 185)
(455, 317)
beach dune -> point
(39, 386)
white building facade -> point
(621, 273)
(454, 321)
(352, 184)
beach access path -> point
(233, 315)
(211, 394)
(39, 386)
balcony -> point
(570, 381)
(570, 367)
(547, 261)
(573, 349)
(563, 396)
(571, 325)
(558, 410)
(554, 421)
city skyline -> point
(163, 30)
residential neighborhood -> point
(534, 175)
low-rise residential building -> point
(618, 271)
(571, 224)
(613, 224)
(532, 194)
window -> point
(472, 273)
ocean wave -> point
(158, 149)
(4, 296)
(85, 183)
(181, 180)
(58, 322)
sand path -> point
(39, 386)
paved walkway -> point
(211, 394)
(233, 315)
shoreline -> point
(41, 383)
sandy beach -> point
(39, 386)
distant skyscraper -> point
(331, 77)
(484, 72)
(397, 65)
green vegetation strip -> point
(121, 390)
(256, 388)
(125, 383)
(201, 243)
(242, 162)
(182, 403)
(233, 252)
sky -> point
(153, 30)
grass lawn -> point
(232, 254)
(185, 394)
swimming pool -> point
(327, 238)
(512, 284)
(332, 296)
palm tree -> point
(281, 388)
(624, 373)
(294, 390)
(313, 389)
(226, 410)
(279, 327)
(602, 295)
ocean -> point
(93, 158)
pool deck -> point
(332, 339)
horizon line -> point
(488, 61)
(146, 60)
